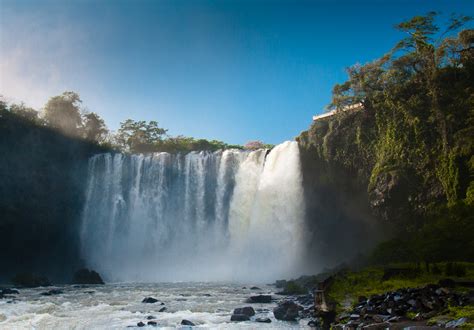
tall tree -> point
(139, 136)
(63, 112)
(94, 128)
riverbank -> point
(396, 295)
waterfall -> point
(201, 216)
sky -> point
(228, 70)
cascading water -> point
(201, 216)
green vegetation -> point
(456, 313)
(65, 114)
(349, 285)
(410, 145)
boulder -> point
(152, 323)
(186, 322)
(162, 309)
(249, 311)
(255, 288)
(239, 317)
(287, 311)
(150, 317)
(30, 280)
(260, 299)
(86, 276)
(140, 324)
(149, 300)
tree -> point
(94, 128)
(25, 112)
(255, 145)
(139, 136)
(63, 112)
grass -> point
(349, 285)
(454, 313)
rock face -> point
(287, 311)
(86, 276)
(260, 299)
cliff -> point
(42, 175)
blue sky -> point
(228, 70)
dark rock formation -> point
(86, 276)
(152, 323)
(9, 291)
(162, 309)
(255, 288)
(140, 324)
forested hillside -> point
(406, 154)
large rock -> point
(249, 311)
(9, 291)
(260, 299)
(86, 276)
(287, 311)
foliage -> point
(255, 145)
(349, 285)
(63, 112)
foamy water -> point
(118, 306)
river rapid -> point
(119, 306)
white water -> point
(119, 306)
(231, 215)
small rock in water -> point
(186, 322)
(162, 309)
(52, 292)
(255, 288)
(9, 291)
(149, 300)
(239, 317)
(249, 311)
(153, 323)
(260, 299)
(263, 320)
(150, 317)
(140, 324)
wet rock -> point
(52, 292)
(162, 309)
(149, 300)
(239, 317)
(150, 317)
(86, 276)
(263, 320)
(152, 323)
(249, 311)
(287, 311)
(260, 299)
(186, 322)
(9, 291)
(140, 324)
(255, 288)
